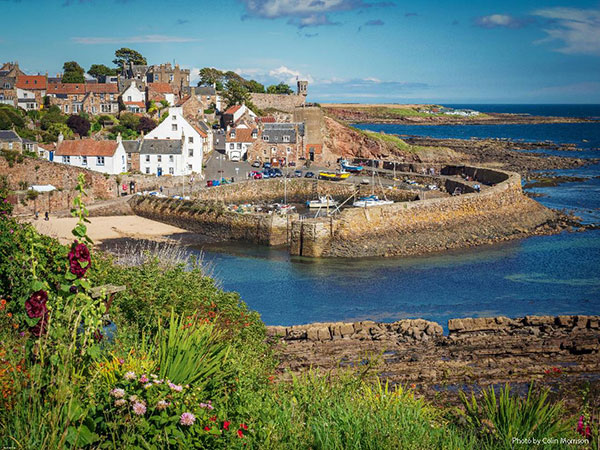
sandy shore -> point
(109, 227)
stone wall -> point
(213, 221)
(281, 102)
(499, 212)
(299, 190)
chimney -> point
(119, 138)
(61, 138)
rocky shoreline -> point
(475, 351)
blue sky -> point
(515, 51)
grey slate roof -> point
(276, 131)
(161, 147)
(9, 136)
(204, 127)
(131, 146)
(205, 90)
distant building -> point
(134, 99)
(31, 90)
(102, 156)
(234, 114)
(160, 91)
(10, 140)
(280, 143)
(238, 141)
(174, 147)
(132, 151)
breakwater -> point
(488, 349)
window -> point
(265, 138)
(84, 160)
(289, 149)
(24, 94)
(190, 167)
(147, 169)
(239, 146)
(191, 152)
(112, 97)
(67, 159)
(174, 127)
(66, 108)
(129, 98)
(147, 158)
(231, 146)
(286, 139)
(174, 117)
(191, 139)
(171, 158)
(159, 158)
(10, 145)
(254, 134)
(100, 161)
(273, 150)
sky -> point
(362, 51)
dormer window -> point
(286, 139)
(254, 134)
(233, 134)
(266, 138)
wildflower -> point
(148, 385)
(130, 376)
(139, 408)
(118, 393)
(143, 379)
(121, 361)
(120, 402)
(157, 381)
(35, 306)
(213, 418)
(187, 419)
(240, 433)
(207, 428)
(175, 387)
(243, 426)
(79, 254)
(226, 425)
(153, 375)
(162, 405)
(133, 398)
(580, 425)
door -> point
(159, 171)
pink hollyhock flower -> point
(187, 419)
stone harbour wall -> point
(281, 102)
(213, 221)
(499, 212)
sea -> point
(542, 275)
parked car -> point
(265, 174)
(257, 175)
(209, 183)
(309, 175)
(298, 173)
(256, 164)
(267, 165)
(276, 173)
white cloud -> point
(283, 73)
(144, 39)
(577, 29)
(499, 20)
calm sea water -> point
(540, 275)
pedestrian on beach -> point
(36, 215)
(46, 216)
(131, 187)
(161, 189)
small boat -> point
(350, 167)
(322, 202)
(283, 209)
(371, 200)
(334, 176)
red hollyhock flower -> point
(226, 425)
(35, 306)
(41, 327)
(79, 254)
(240, 433)
(206, 428)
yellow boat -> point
(333, 176)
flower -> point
(226, 425)
(244, 426)
(139, 408)
(580, 425)
(143, 379)
(162, 404)
(79, 254)
(133, 398)
(207, 428)
(130, 376)
(175, 387)
(148, 385)
(41, 327)
(35, 306)
(213, 418)
(118, 393)
(157, 381)
(121, 361)
(120, 402)
(187, 419)
(240, 433)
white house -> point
(134, 98)
(181, 143)
(102, 156)
(237, 142)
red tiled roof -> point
(140, 104)
(163, 88)
(241, 135)
(233, 109)
(102, 88)
(32, 82)
(66, 88)
(182, 101)
(199, 130)
(87, 147)
(267, 119)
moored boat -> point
(333, 176)
(322, 202)
(371, 200)
(349, 167)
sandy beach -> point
(108, 227)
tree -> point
(130, 120)
(127, 55)
(236, 94)
(72, 73)
(100, 70)
(79, 125)
(210, 75)
(55, 129)
(146, 125)
(280, 88)
(255, 86)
